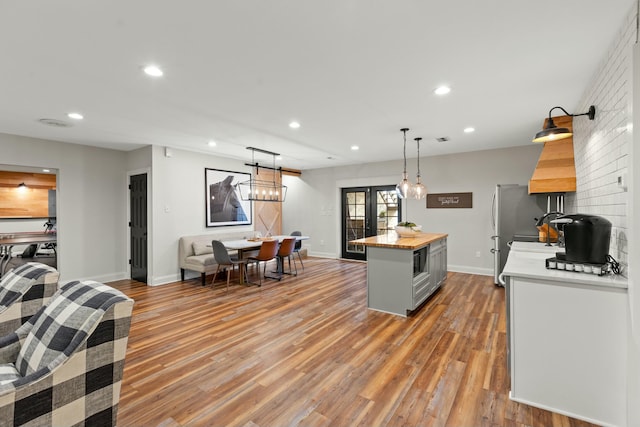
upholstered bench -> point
(195, 252)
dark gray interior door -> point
(138, 226)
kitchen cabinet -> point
(568, 340)
(438, 260)
(403, 272)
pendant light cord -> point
(418, 142)
(404, 151)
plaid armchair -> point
(64, 366)
(23, 291)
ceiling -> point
(351, 72)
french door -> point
(367, 211)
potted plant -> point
(408, 229)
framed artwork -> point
(223, 205)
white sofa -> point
(195, 252)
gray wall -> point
(313, 200)
(91, 206)
(178, 206)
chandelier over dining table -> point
(263, 190)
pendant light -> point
(404, 187)
(418, 191)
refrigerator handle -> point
(493, 213)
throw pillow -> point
(202, 248)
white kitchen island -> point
(567, 338)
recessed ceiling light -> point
(212, 143)
(355, 148)
(75, 116)
(278, 157)
(469, 130)
(442, 90)
(46, 170)
(294, 125)
(153, 70)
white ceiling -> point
(352, 72)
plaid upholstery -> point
(69, 359)
(8, 373)
(23, 291)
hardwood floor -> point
(306, 351)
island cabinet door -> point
(390, 280)
(438, 261)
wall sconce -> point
(22, 186)
(551, 132)
(403, 189)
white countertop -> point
(527, 259)
(536, 247)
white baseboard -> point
(332, 255)
(169, 278)
(104, 278)
(470, 270)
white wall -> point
(634, 248)
(91, 210)
(602, 146)
(178, 206)
(313, 200)
(604, 151)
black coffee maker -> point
(586, 238)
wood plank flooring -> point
(306, 351)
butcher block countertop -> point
(391, 240)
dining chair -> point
(224, 260)
(297, 247)
(268, 251)
(285, 251)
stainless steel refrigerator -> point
(514, 214)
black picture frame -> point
(223, 205)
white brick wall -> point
(602, 146)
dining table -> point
(247, 245)
(8, 241)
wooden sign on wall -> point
(450, 200)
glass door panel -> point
(354, 221)
(386, 209)
(367, 211)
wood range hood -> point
(556, 169)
